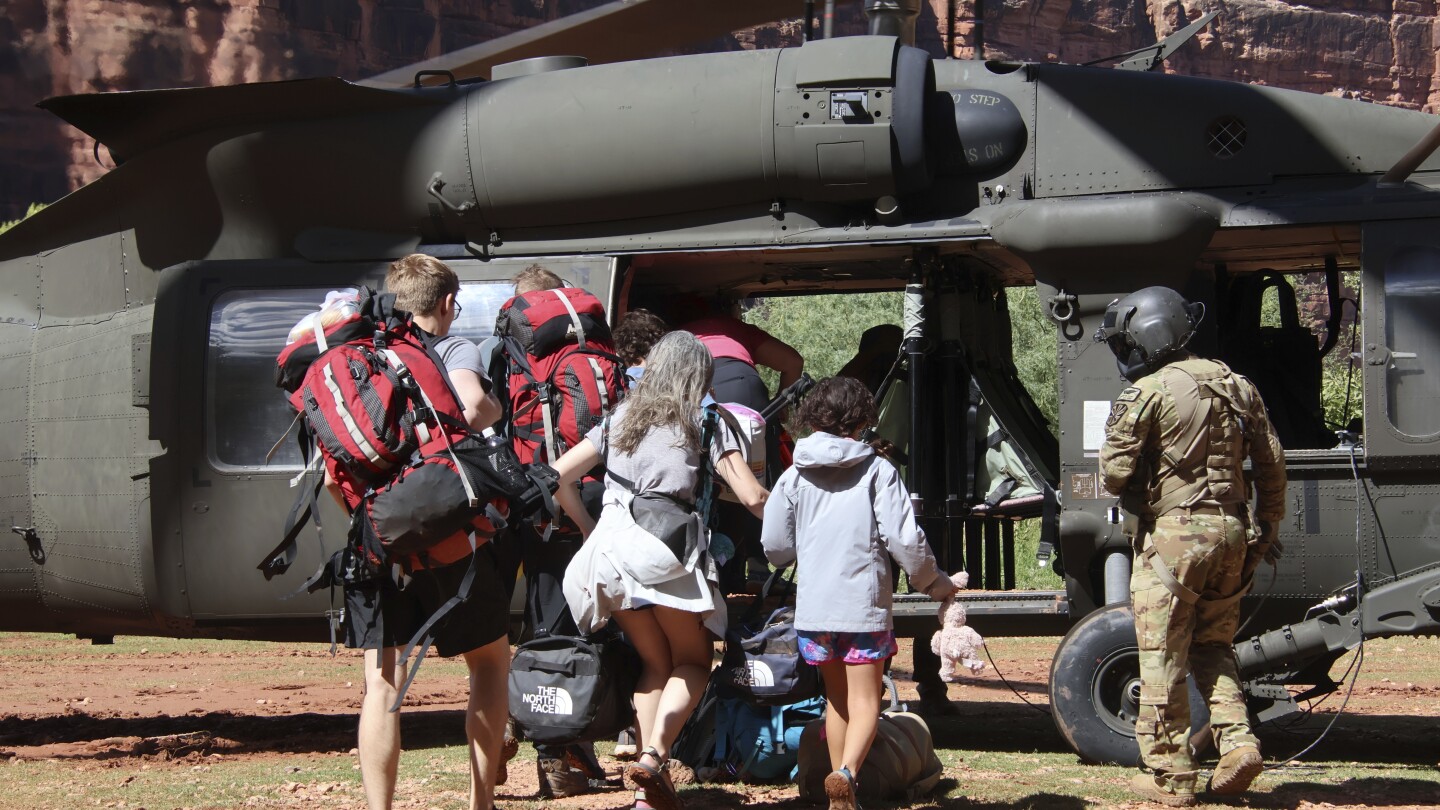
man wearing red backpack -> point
(563, 376)
(380, 615)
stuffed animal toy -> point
(957, 644)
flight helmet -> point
(1146, 328)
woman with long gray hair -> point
(647, 562)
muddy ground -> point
(183, 705)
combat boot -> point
(558, 780)
(1237, 769)
(1149, 787)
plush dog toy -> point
(957, 644)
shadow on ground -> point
(1387, 739)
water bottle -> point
(502, 460)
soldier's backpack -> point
(559, 368)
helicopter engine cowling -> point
(833, 121)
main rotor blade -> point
(614, 32)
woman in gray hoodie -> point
(841, 513)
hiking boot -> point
(581, 757)
(558, 780)
(840, 790)
(1148, 787)
(1236, 771)
(509, 747)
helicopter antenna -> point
(1151, 56)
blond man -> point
(381, 615)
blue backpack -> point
(759, 743)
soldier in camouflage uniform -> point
(1174, 448)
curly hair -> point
(677, 375)
(636, 333)
(838, 405)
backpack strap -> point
(600, 384)
(543, 391)
(321, 344)
(425, 636)
(400, 368)
(305, 508)
(705, 485)
(574, 316)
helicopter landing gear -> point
(1095, 689)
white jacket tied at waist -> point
(623, 567)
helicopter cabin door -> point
(1401, 348)
(235, 501)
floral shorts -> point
(823, 646)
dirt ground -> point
(184, 704)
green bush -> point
(826, 330)
(29, 212)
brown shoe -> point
(1149, 788)
(840, 790)
(1236, 771)
(651, 774)
(558, 780)
(509, 747)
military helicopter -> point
(143, 312)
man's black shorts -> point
(379, 614)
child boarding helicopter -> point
(143, 312)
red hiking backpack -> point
(378, 412)
(561, 371)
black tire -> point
(1095, 687)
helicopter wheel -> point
(1095, 689)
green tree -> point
(826, 330)
(29, 212)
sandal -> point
(840, 790)
(654, 779)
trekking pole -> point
(788, 396)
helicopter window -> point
(1412, 333)
(479, 304)
(246, 413)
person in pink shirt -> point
(739, 347)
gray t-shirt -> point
(456, 353)
(658, 465)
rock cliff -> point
(1384, 50)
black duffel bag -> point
(762, 662)
(568, 690)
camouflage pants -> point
(1204, 553)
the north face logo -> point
(549, 700)
(755, 673)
